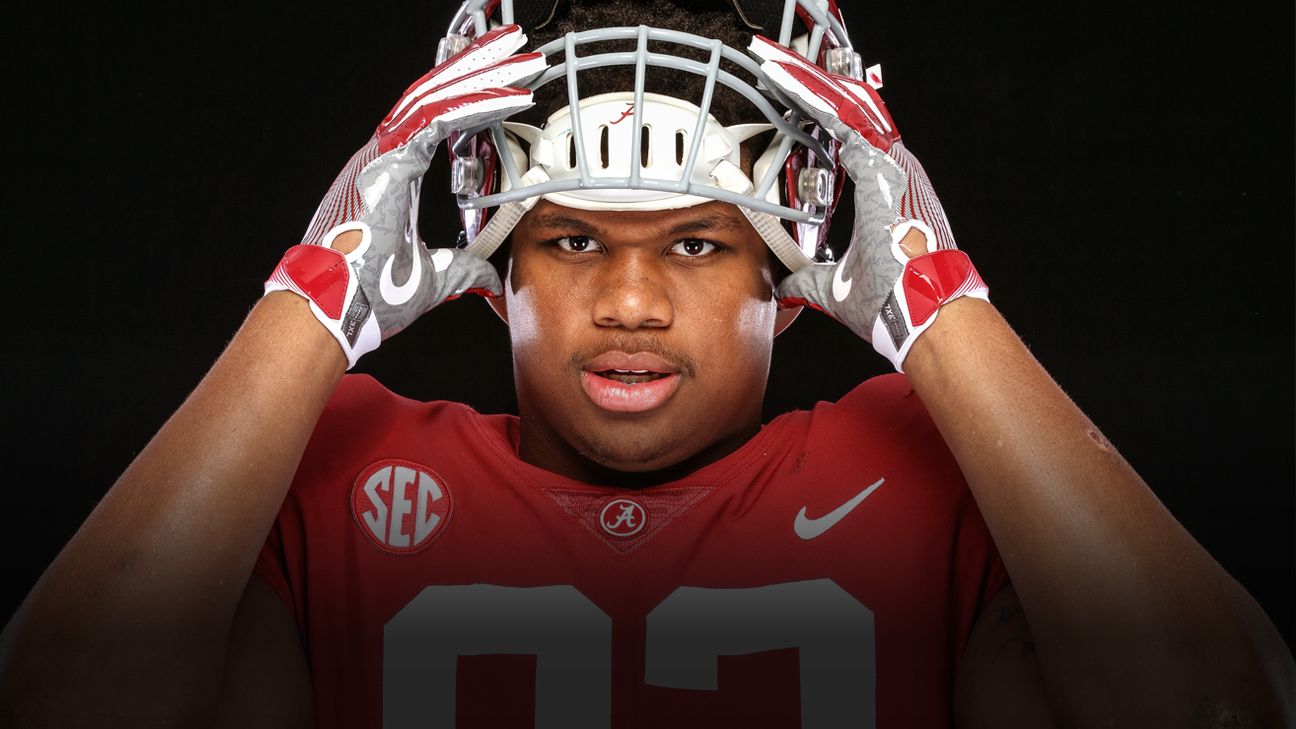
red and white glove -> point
(876, 289)
(391, 278)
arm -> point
(267, 680)
(145, 592)
(133, 621)
(998, 682)
(1132, 619)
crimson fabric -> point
(914, 555)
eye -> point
(694, 248)
(577, 244)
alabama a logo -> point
(623, 518)
(401, 506)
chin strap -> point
(730, 177)
(505, 218)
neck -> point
(540, 446)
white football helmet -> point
(673, 153)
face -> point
(641, 340)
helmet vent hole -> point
(679, 147)
(571, 151)
(645, 148)
(603, 145)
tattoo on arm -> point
(1012, 639)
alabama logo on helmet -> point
(401, 506)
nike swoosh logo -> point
(841, 289)
(808, 529)
(396, 295)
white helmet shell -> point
(634, 150)
(610, 150)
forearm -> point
(140, 601)
(1130, 615)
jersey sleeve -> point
(282, 562)
(900, 424)
(275, 567)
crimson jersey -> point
(825, 574)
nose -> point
(632, 292)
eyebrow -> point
(558, 220)
(708, 222)
(694, 225)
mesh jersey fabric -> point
(693, 603)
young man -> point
(634, 548)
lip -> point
(644, 361)
(622, 398)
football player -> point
(645, 191)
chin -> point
(632, 455)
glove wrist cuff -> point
(323, 277)
(927, 283)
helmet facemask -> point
(632, 149)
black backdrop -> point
(1121, 176)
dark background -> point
(1122, 176)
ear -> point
(782, 319)
(501, 308)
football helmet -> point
(673, 152)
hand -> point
(355, 292)
(887, 288)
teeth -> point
(632, 377)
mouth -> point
(629, 383)
(632, 377)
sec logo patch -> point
(400, 505)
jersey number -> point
(571, 639)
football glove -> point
(391, 278)
(876, 289)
